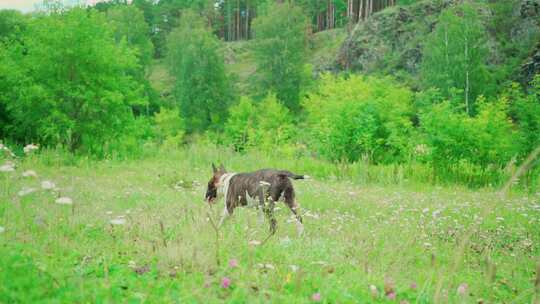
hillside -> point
(323, 48)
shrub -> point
(350, 118)
(452, 136)
(169, 128)
(266, 125)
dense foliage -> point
(92, 80)
(357, 117)
(67, 82)
(202, 89)
(280, 52)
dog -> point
(263, 188)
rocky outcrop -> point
(397, 32)
(529, 12)
(392, 40)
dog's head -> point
(211, 190)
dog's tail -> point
(289, 174)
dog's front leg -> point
(224, 215)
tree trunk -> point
(247, 20)
(238, 20)
(360, 11)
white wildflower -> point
(29, 173)
(26, 191)
(64, 201)
(254, 243)
(47, 185)
(118, 221)
(8, 167)
(29, 148)
(2, 229)
(294, 268)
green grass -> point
(356, 234)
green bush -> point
(451, 136)
(355, 117)
(525, 110)
(169, 128)
(265, 126)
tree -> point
(129, 24)
(202, 90)
(455, 55)
(67, 83)
(280, 52)
(12, 24)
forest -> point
(418, 120)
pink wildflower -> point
(316, 297)
(462, 289)
(233, 263)
(225, 282)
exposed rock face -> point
(397, 32)
(529, 12)
(393, 39)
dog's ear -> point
(214, 168)
(222, 168)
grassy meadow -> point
(138, 231)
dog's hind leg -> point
(269, 211)
(291, 203)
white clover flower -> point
(26, 191)
(254, 243)
(29, 173)
(64, 201)
(7, 167)
(118, 221)
(29, 148)
(47, 185)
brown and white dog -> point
(263, 188)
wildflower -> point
(118, 221)
(316, 297)
(132, 264)
(373, 290)
(29, 148)
(294, 268)
(233, 263)
(2, 229)
(47, 185)
(225, 282)
(254, 243)
(462, 289)
(25, 191)
(391, 296)
(414, 286)
(8, 167)
(64, 201)
(29, 173)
